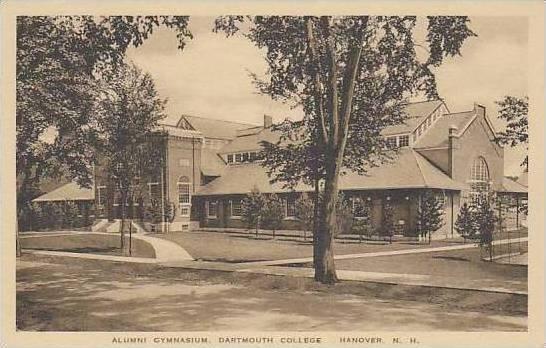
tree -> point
(129, 110)
(273, 213)
(351, 75)
(485, 219)
(430, 215)
(58, 62)
(304, 213)
(465, 224)
(514, 110)
(252, 208)
(361, 225)
(387, 222)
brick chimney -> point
(268, 121)
(453, 144)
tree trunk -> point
(130, 236)
(325, 271)
(122, 225)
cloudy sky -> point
(209, 78)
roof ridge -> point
(216, 119)
(424, 101)
(425, 182)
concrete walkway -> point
(385, 253)
(165, 251)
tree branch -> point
(331, 52)
(349, 87)
(316, 70)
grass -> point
(102, 244)
(236, 248)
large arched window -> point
(479, 178)
(184, 195)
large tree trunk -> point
(325, 271)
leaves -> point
(514, 110)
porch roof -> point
(511, 186)
(69, 192)
(407, 171)
(211, 163)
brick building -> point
(210, 165)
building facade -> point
(209, 166)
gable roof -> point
(211, 163)
(210, 128)
(68, 192)
(408, 170)
(437, 135)
(250, 142)
(416, 113)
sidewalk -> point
(384, 253)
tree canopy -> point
(514, 110)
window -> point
(184, 162)
(403, 141)
(236, 208)
(154, 191)
(391, 142)
(479, 178)
(229, 158)
(238, 157)
(290, 207)
(101, 196)
(253, 156)
(184, 196)
(212, 211)
(245, 157)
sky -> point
(210, 77)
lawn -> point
(103, 244)
(464, 264)
(55, 295)
(233, 248)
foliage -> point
(362, 222)
(344, 216)
(154, 213)
(465, 224)
(514, 110)
(430, 214)
(252, 208)
(387, 222)
(352, 76)
(273, 213)
(305, 213)
(485, 219)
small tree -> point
(344, 216)
(485, 219)
(429, 215)
(361, 225)
(305, 213)
(465, 224)
(387, 221)
(252, 208)
(273, 213)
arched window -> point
(184, 195)
(479, 178)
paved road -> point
(80, 297)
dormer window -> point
(245, 157)
(391, 142)
(229, 158)
(403, 141)
(253, 156)
(238, 157)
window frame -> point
(185, 182)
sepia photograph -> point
(265, 176)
